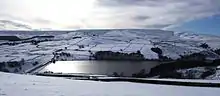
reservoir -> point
(125, 68)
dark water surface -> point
(101, 67)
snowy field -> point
(25, 85)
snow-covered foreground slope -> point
(25, 85)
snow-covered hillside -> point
(25, 85)
(82, 44)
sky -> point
(208, 25)
(179, 15)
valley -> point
(37, 49)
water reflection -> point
(112, 68)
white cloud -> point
(107, 13)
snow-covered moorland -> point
(18, 56)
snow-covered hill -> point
(25, 85)
(128, 40)
(82, 44)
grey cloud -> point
(152, 2)
(120, 2)
(161, 13)
(158, 26)
(19, 25)
(141, 18)
(115, 3)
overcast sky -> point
(74, 14)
